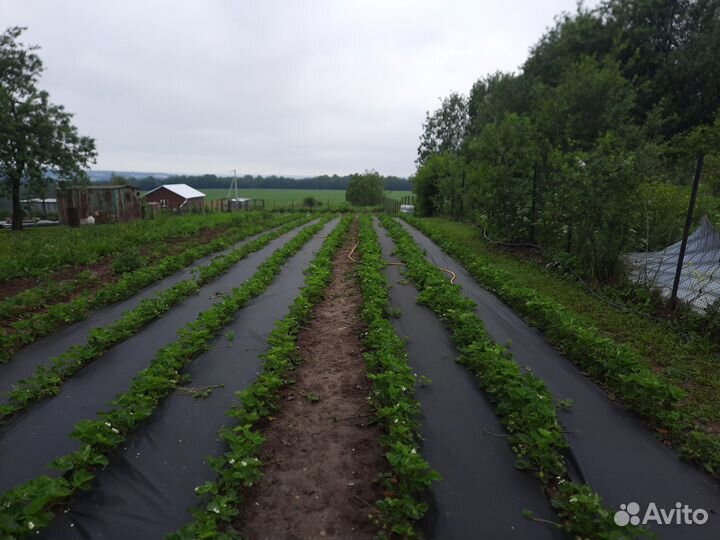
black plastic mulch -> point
(481, 494)
(29, 358)
(148, 488)
(611, 448)
(41, 434)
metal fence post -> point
(686, 231)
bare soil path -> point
(322, 457)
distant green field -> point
(284, 197)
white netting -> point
(700, 277)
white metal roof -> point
(185, 191)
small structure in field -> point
(41, 206)
(104, 203)
(175, 196)
(240, 203)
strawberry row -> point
(239, 467)
(522, 402)
(30, 506)
(48, 379)
(26, 331)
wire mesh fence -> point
(699, 285)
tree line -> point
(211, 181)
(589, 148)
(41, 148)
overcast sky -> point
(268, 87)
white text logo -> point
(681, 514)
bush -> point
(365, 189)
(127, 261)
(310, 202)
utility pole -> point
(533, 203)
(686, 232)
(233, 186)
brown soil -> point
(322, 458)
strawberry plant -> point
(48, 379)
(36, 252)
(21, 515)
(522, 402)
(239, 466)
(25, 331)
(615, 367)
(392, 397)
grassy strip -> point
(392, 397)
(522, 402)
(41, 324)
(29, 506)
(239, 467)
(48, 379)
(614, 366)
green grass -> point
(284, 197)
(689, 361)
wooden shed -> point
(105, 203)
(175, 196)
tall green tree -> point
(438, 185)
(591, 98)
(501, 183)
(583, 33)
(36, 136)
(495, 95)
(444, 130)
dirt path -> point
(322, 458)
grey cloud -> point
(280, 87)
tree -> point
(118, 180)
(501, 181)
(445, 129)
(36, 136)
(495, 95)
(573, 36)
(592, 98)
(365, 189)
(38, 188)
(437, 185)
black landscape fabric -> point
(147, 490)
(611, 448)
(481, 494)
(40, 352)
(41, 434)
